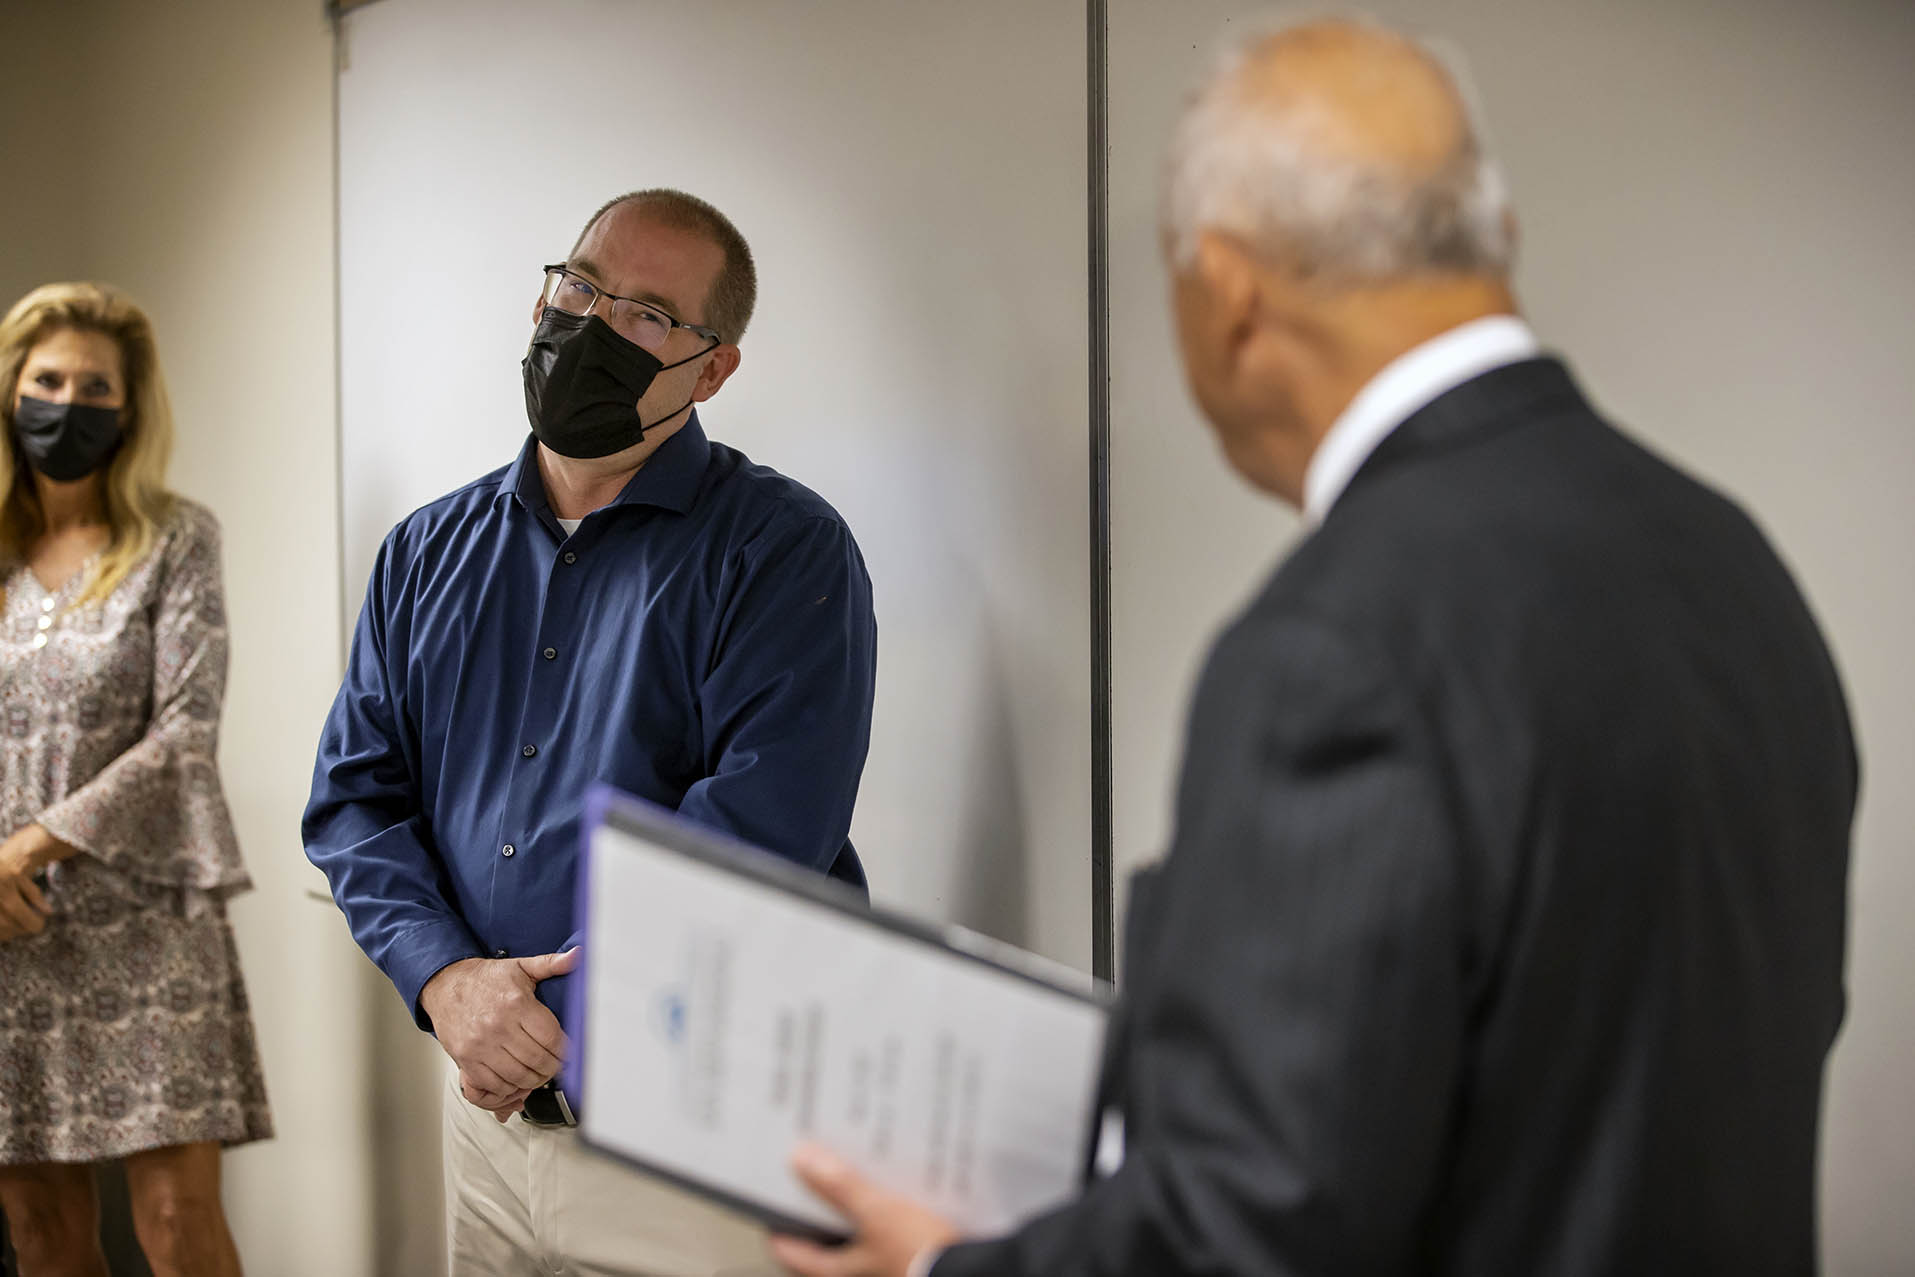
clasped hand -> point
(23, 906)
(488, 1018)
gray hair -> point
(1241, 166)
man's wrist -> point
(434, 981)
(421, 954)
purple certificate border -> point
(605, 805)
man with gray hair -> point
(1502, 930)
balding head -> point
(1340, 150)
(1329, 209)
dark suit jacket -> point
(1503, 928)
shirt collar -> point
(669, 478)
(1406, 384)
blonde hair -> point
(137, 501)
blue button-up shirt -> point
(705, 641)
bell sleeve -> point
(157, 812)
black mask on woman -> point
(583, 382)
(66, 441)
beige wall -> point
(39, 240)
(1715, 201)
(184, 153)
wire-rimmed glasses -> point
(641, 323)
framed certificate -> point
(731, 1004)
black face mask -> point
(66, 441)
(583, 382)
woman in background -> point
(124, 1029)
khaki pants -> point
(523, 1199)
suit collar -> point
(1482, 406)
(1404, 385)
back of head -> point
(1342, 151)
(135, 480)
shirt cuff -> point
(926, 1260)
(424, 953)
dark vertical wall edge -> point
(1097, 137)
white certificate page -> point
(727, 1017)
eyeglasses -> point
(640, 323)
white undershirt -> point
(1407, 383)
(570, 525)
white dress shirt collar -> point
(1407, 383)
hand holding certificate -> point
(733, 1006)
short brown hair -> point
(733, 294)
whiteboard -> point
(912, 184)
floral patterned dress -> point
(124, 1024)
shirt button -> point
(570, 557)
(530, 750)
(550, 653)
(509, 849)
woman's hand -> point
(23, 908)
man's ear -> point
(724, 361)
(1232, 279)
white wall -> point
(1715, 200)
(184, 153)
(912, 184)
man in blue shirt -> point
(625, 602)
